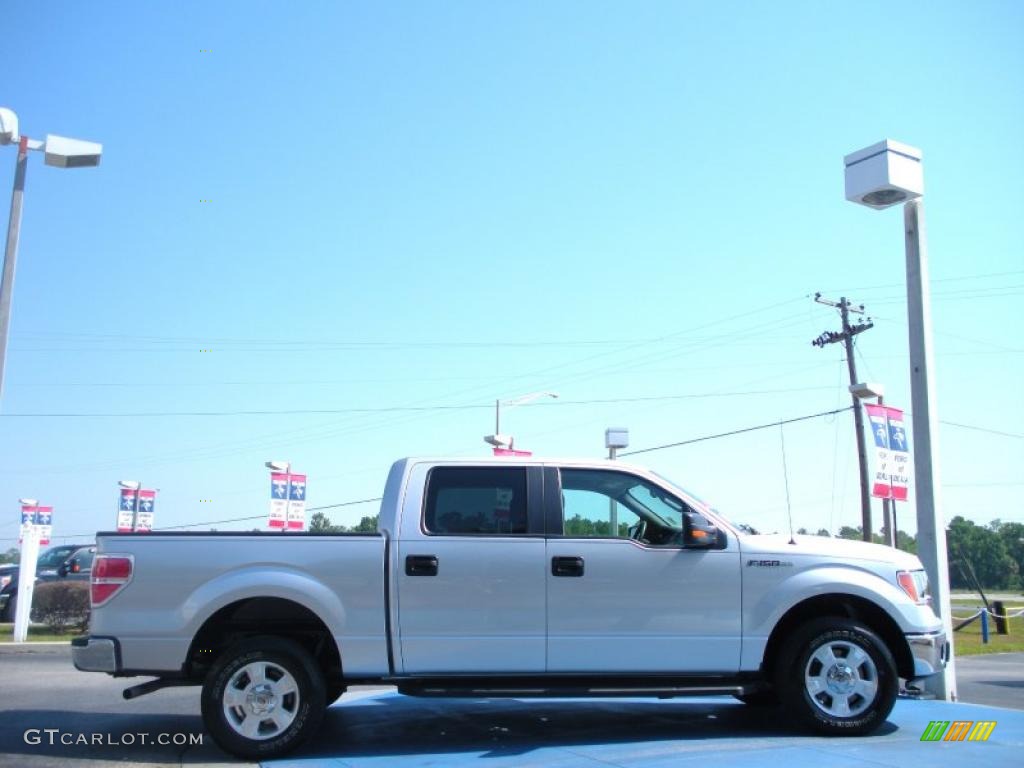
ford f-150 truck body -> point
(511, 576)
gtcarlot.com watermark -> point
(54, 736)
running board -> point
(571, 691)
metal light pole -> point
(614, 439)
(59, 151)
(498, 440)
(881, 176)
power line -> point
(982, 429)
(408, 409)
(738, 431)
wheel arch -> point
(872, 615)
(254, 616)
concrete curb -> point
(47, 646)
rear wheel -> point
(263, 697)
(839, 678)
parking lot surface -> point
(377, 727)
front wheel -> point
(839, 678)
(263, 697)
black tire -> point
(269, 718)
(760, 699)
(838, 679)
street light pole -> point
(880, 176)
(931, 530)
(59, 151)
(11, 251)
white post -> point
(26, 582)
(931, 527)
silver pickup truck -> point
(511, 577)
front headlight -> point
(915, 584)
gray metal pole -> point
(11, 252)
(858, 421)
(931, 529)
(613, 509)
(135, 510)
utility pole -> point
(846, 336)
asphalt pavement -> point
(375, 727)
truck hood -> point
(823, 546)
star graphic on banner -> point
(881, 433)
(297, 490)
(897, 435)
(126, 502)
(146, 504)
(279, 488)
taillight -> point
(110, 574)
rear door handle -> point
(566, 566)
(421, 565)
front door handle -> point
(566, 566)
(421, 565)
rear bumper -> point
(96, 654)
(930, 653)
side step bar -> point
(569, 691)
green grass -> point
(967, 642)
(39, 634)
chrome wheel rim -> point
(841, 679)
(261, 700)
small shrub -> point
(61, 604)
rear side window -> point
(476, 500)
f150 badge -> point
(769, 564)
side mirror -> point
(698, 533)
(63, 570)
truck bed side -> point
(181, 580)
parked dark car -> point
(72, 562)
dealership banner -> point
(28, 520)
(297, 503)
(146, 513)
(44, 524)
(125, 511)
(278, 500)
(38, 518)
(892, 452)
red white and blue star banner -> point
(125, 511)
(147, 511)
(28, 520)
(892, 452)
(278, 500)
(297, 503)
(44, 524)
(39, 518)
(141, 516)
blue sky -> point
(439, 204)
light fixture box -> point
(884, 174)
(63, 152)
(616, 437)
